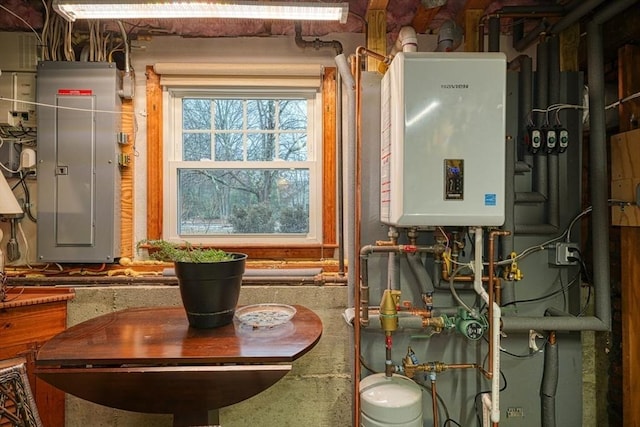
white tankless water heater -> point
(443, 140)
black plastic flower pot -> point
(210, 291)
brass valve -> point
(410, 368)
(389, 310)
(512, 272)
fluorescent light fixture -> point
(129, 9)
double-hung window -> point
(243, 166)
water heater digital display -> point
(443, 140)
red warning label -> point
(75, 92)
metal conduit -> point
(549, 384)
(553, 97)
(494, 34)
(542, 79)
(574, 15)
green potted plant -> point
(209, 280)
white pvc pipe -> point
(495, 336)
(477, 266)
(350, 128)
(495, 379)
(345, 72)
(407, 41)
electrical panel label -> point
(75, 92)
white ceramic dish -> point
(265, 315)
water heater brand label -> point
(490, 200)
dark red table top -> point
(161, 335)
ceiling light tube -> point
(129, 9)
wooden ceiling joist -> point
(423, 18)
(471, 5)
(377, 5)
(376, 30)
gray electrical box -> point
(78, 173)
(10, 157)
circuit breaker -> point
(79, 116)
(443, 139)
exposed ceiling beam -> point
(471, 5)
(423, 18)
(376, 30)
(377, 5)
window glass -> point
(245, 168)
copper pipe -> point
(492, 285)
(356, 274)
(434, 402)
(462, 366)
(365, 251)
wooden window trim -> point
(257, 251)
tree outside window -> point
(258, 167)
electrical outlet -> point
(516, 412)
(561, 254)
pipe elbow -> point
(449, 36)
(407, 39)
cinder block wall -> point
(317, 392)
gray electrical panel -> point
(78, 172)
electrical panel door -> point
(443, 140)
(78, 174)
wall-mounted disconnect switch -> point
(563, 140)
(551, 139)
(564, 254)
(535, 140)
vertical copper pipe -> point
(356, 274)
(359, 55)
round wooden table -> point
(150, 360)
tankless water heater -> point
(443, 140)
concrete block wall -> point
(317, 392)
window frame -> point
(322, 249)
(174, 162)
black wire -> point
(586, 277)
(449, 421)
(440, 399)
(27, 197)
(586, 304)
(520, 356)
(366, 366)
(475, 398)
(549, 295)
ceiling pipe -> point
(534, 35)
(494, 34)
(517, 12)
(407, 41)
(574, 15)
(449, 36)
(317, 44)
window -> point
(243, 166)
